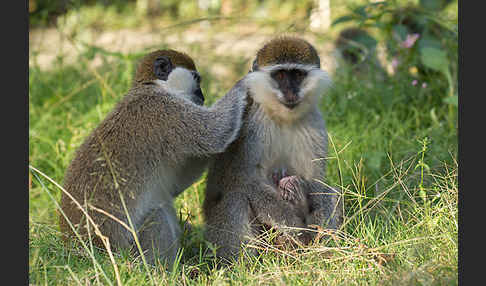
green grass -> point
(392, 149)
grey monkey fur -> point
(153, 145)
(240, 195)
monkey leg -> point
(273, 211)
(270, 208)
(159, 235)
(228, 225)
(325, 205)
(293, 190)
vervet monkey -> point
(283, 135)
(154, 144)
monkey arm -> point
(214, 129)
(151, 119)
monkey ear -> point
(162, 67)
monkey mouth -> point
(291, 105)
(291, 100)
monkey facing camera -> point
(267, 177)
(153, 145)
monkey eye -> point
(279, 75)
(162, 67)
(300, 74)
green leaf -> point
(381, 4)
(401, 31)
(367, 40)
(343, 19)
(434, 5)
(454, 100)
(429, 41)
(378, 24)
(434, 58)
(431, 4)
(361, 11)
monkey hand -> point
(289, 188)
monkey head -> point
(286, 78)
(172, 70)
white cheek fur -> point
(316, 83)
(260, 84)
(180, 82)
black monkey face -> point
(289, 82)
(198, 95)
(162, 67)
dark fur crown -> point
(286, 49)
(145, 69)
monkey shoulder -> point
(141, 125)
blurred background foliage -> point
(46, 12)
(420, 37)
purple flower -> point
(414, 82)
(394, 63)
(424, 85)
(410, 41)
